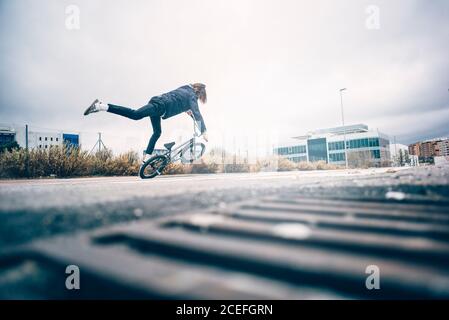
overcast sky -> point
(272, 67)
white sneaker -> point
(96, 106)
(146, 157)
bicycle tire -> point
(157, 171)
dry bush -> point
(321, 165)
(123, 165)
(254, 168)
(98, 164)
(330, 166)
(175, 168)
(236, 167)
(204, 167)
(12, 163)
(286, 165)
(267, 164)
(65, 161)
(305, 166)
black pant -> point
(152, 110)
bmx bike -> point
(187, 152)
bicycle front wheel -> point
(153, 167)
(193, 152)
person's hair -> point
(200, 90)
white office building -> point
(37, 139)
(364, 147)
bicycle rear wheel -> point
(153, 167)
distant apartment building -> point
(364, 147)
(443, 147)
(429, 149)
(413, 149)
(37, 139)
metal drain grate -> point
(280, 248)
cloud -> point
(272, 68)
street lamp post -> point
(344, 128)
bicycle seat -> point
(169, 145)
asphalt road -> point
(31, 209)
(281, 235)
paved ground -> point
(303, 234)
(38, 208)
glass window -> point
(317, 149)
(375, 154)
(339, 145)
(335, 157)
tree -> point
(401, 158)
(406, 157)
(9, 146)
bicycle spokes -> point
(153, 167)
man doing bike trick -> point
(164, 106)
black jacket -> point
(178, 101)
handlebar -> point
(196, 129)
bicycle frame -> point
(176, 154)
